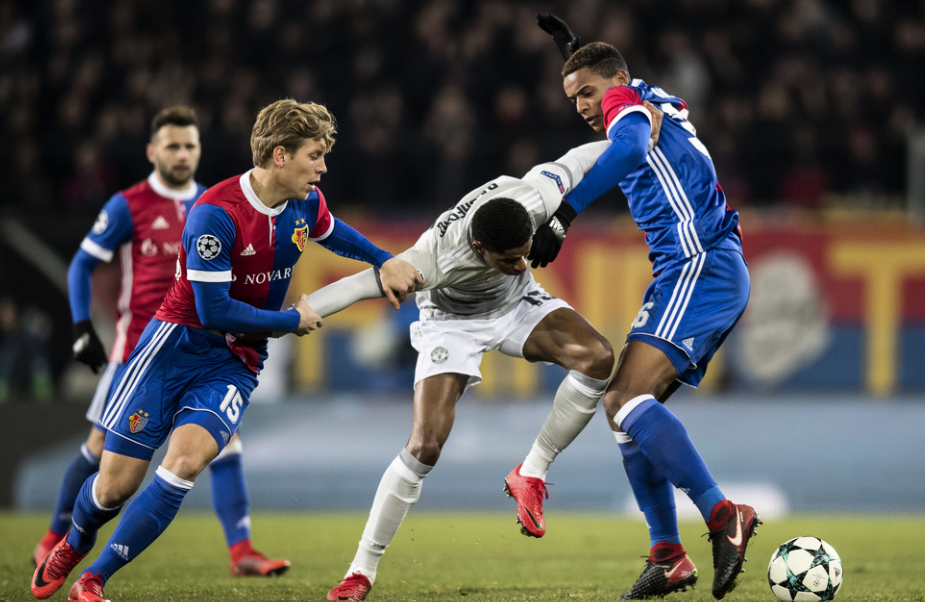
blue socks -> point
(229, 497)
(653, 492)
(145, 519)
(89, 516)
(664, 441)
(79, 471)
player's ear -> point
(149, 151)
(279, 156)
(477, 246)
(622, 78)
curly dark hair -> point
(502, 224)
(599, 57)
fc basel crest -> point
(137, 421)
(300, 236)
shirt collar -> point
(251, 196)
(177, 195)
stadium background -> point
(811, 110)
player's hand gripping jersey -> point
(458, 284)
(237, 258)
(144, 224)
(673, 195)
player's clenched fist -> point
(309, 319)
(399, 278)
(87, 346)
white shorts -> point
(457, 346)
(102, 392)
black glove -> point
(567, 42)
(548, 238)
(88, 348)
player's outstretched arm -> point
(567, 42)
(399, 278)
(309, 319)
(340, 295)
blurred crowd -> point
(799, 101)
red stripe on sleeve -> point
(323, 220)
(616, 100)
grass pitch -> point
(473, 557)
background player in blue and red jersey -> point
(699, 292)
(190, 377)
(144, 224)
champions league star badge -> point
(101, 223)
(208, 247)
(137, 421)
(439, 355)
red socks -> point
(720, 514)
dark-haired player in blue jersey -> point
(699, 292)
(190, 377)
(143, 225)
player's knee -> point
(596, 359)
(95, 442)
(113, 492)
(186, 467)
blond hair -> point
(290, 124)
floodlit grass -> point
(472, 557)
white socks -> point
(398, 491)
(572, 410)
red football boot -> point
(52, 572)
(528, 492)
(89, 588)
(354, 587)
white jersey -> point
(458, 284)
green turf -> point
(474, 557)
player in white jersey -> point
(479, 295)
(699, 291)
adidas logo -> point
(689, 343)
(248, 251)
(160, 223)
(121, 550)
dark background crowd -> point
(801, 102)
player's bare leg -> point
(644, 376)
(435, 400)
(564, 338)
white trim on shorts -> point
(133, 373)
(98, 404)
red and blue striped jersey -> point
(232, 237)
(144, 223)
(674, 196)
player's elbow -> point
(210, 318)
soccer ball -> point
(805, 569)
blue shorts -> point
(176, 375)
(690, 308)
